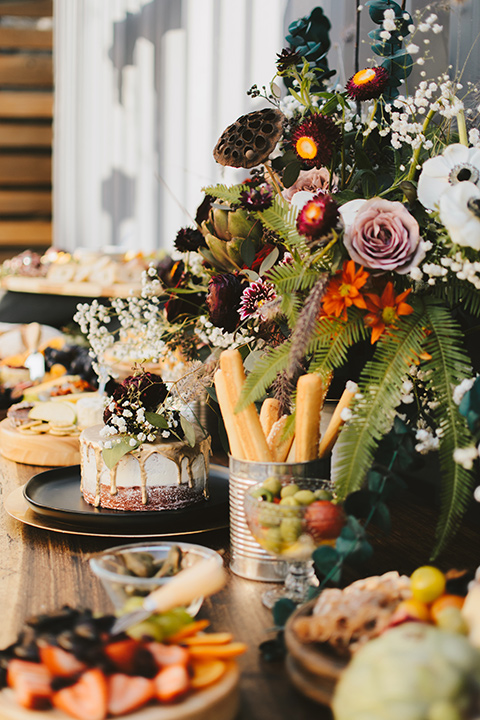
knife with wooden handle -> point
(199, 580)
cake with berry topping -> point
(145, 456)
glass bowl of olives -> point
(130, 572)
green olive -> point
(288, 490)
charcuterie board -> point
(40, 285)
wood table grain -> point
(42, 570)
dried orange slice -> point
(207, 672)
(218, 651)
(188, 630)
(218, 638)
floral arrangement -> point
(140, 410)
(350, 250)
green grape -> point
(291, 529)
(451, 618)
(273, 484)
(272, 541)
(304, 497)
(268, 515)
(172, 621)
(322, 494)
(288, 490)
(289, 501)
(148, 628)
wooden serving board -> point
(217, 702)
(19, 283)
(313, 672)
(44, 450)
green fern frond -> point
(229, 194)
(281, 218)
(333, 338)
(448, 367)
(263, 374)
(293, 277)
(380, 388)
(459, 293)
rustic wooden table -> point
(41, 570)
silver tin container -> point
(248, 559)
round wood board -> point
(313, 672)
(43, 450)
(217, 702)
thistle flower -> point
(367, 84)
(318, 216)
(315, 139)
(189, 239)
(286, 59)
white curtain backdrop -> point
(144, 88)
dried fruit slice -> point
(60, 662)
(220, 638)
(87, 698)
(207, 672)
(127, 693)
(31, 684)
(171, 683)
(219, 651)
(123, 654)
(187, 631)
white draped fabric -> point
(144, 88)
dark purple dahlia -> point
(223, 300)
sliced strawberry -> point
(87, 698)
(127, 693)
(31, 684)
(168, 654)
(60, 662)
(123, 654)
(172, 683)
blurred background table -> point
(42, 570)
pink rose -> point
(382, 235)
(312, 180)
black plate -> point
(56, 494)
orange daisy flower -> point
(343, 290)
(384, 311)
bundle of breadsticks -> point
(267, 436)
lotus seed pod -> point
(250, 139)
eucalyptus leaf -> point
(189, 430)
(248, 251)
(112, 455)
(156, 420)
(325, 559)
(269, 261)
(282, 610)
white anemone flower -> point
(460, 213)
(348, 212)
(301, 198)
(455, 165)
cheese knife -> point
(203, 578)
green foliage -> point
(281, 218)
(380, 388)
(265, 372)
(448, 367)
(227, 193)
(333, 339)
(112, 455)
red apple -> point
(324, 520)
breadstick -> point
(247, 421)
(269, 414)
(236, 448)
(292, 452)
(307, 417)
(336, 421)
(279, 444)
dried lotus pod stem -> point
(250, 139)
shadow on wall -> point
(154, 19)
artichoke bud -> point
(221, 224)
(241, 225)
(219, 249)
(234, 250)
